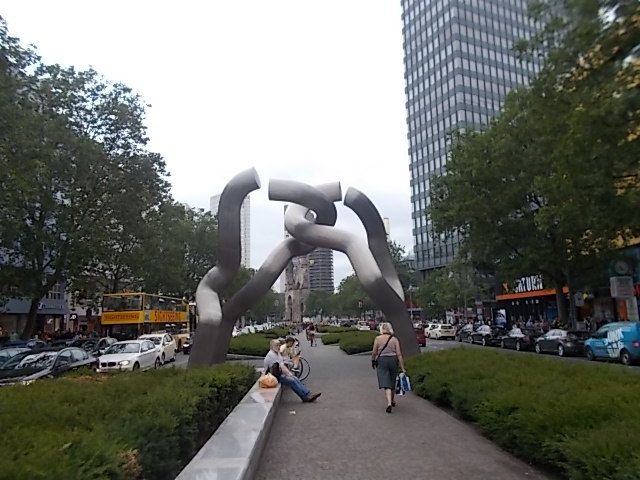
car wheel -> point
(163, 359)
(469, 339)
(518, 346)
(590, 356)
(502, 345)
(136, 366)
(625, 357)
(538, 349)
(484, 342)
(156, 365)
(459, 338)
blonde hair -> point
(275, 343)
(385, 327)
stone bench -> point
(233, 451)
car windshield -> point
(38, 361)
(155, 340)
(123, 348)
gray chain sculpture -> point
(371, 260)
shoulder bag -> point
(374, 361)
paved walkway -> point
(348, 435)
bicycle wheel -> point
(305, 369)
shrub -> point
(131, 425)
(578, 419)
(357, 342)
(333, 329)
(331, 338)
(277, 332)
(256, 344)
(352, 341)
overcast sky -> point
(305, 90)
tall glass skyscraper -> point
(459, 65)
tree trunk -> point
(32, 317)
(562, 307)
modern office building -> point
(321, 269)
(459, 66)
(245, 227)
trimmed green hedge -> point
(581, 420)
(256, 344)
(331, 338)
(277, 332)
(351, 342)
(126, 426)
(334, 329)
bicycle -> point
(303, 369)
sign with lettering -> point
(525, 284)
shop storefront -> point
(527, 299)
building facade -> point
(245, 227)
(321, 269)
(459, 66)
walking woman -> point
(385, 358)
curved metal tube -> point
(219, 337)
(376, 235)
(207, 299)
(363, 263)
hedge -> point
(334, 329)
(126, 426)
(276, 332)
(580, 420)
(351, 342)
(256, 344)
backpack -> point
(274, 370)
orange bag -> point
(267, 381)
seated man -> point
(284, 375)
(290, 353)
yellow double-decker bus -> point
(129, 315)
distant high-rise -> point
(459, 65)
(321, 269)
(245, 227)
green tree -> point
(68, 139)
(320, 302)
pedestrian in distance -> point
(386, 358)
(274, 364)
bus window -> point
(120, 303)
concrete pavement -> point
(347, 435)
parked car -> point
(463, 333)
(420, 338)
(486, 335)
(362, 325)
(443, 331)
(562, 342)
(33, 344)
(428, 328)
(28, 367)
(130, 355)
(615, 341)
(95, 346)
(7, 353)
(165, 343)
(520, 339)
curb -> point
(233, 451)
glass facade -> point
(459, 65)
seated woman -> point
(291, 353)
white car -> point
(165, 343)
(429, 328)
(363, 326)
(130, 355)
(442, 331)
